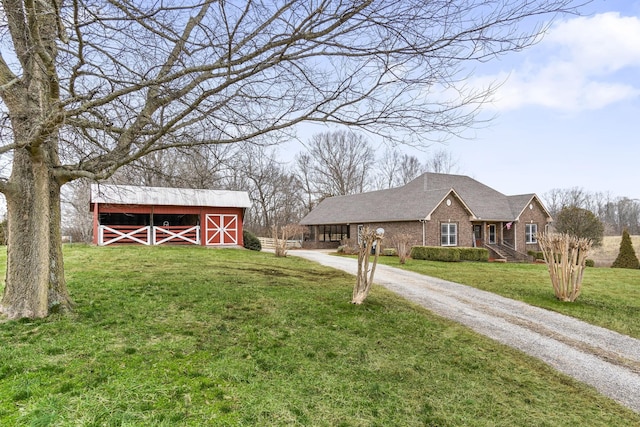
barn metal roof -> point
(164, 196)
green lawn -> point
(177, 336)
(610, 296)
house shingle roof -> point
(416, 200)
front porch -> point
(499, 238)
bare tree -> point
(272, 188)
(441, 161)
(77, 221)
(616, 213)
(558, 198)
(90, 86)
(304, 181)
(203, 167)
(396, 169)
(337, 163)
(386, 175)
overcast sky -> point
(568, 113)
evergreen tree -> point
(627, 256)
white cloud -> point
(579, 65)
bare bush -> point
(403, 242)
(282, 235)
(566, 257)
(349, 246)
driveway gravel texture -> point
(604, 359)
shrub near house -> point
(436, 253)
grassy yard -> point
(610, 296)
(172, 336)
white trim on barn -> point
(125, 214)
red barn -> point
(125, 214)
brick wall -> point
(532, 214)
(450, 210)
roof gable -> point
(453, 193)
(520, 203)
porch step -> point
(502, 252)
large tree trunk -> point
(58, 295)
(35, 282)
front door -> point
(492, 234)
(221, 229)
(477, 235)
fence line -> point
(270, 243)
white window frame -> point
(448, 232)
(530, 231)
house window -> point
(360, 227)
(333, 233)
(449, 234)
(530, 231)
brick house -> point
(439, 210)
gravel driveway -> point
(606, 360)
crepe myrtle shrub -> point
(250, 240)
(402, 243)
(627, 255)
(370, 241)
(565, 256)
